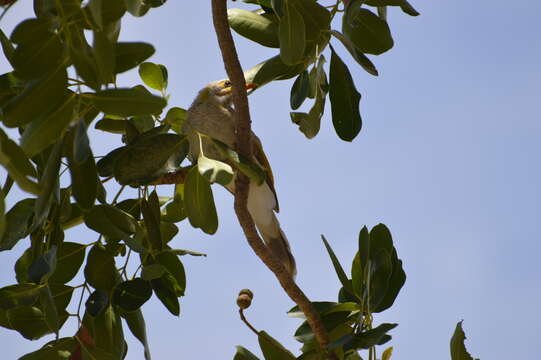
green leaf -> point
(358, 56)
(458, 349)
(127, 102)
(151, 216)
(199, 202)
(366, 30)
(106, 331)
(299, 90)
(330, 321)
(163, 288)
(29, 321)
(270, 70)
(49, 309)
(18, 295)
(2, 215)
(174, 267)
(272, 349)
(395, 283)
(70, 257)
(48, 128)
(292, 35)
(152, 271)
(345, 100)
(100, 270)
(244, 354)
(38, 97)
(260, 28)
(214, 171)
(97, 302)
(60, 349)
(130, 54)
(404, 5)
(49, 184)
(176, 117)
(111, 222)
(369, 338)
(39, 50)
(248, 167)
(104, 53)
(19, 167)
(84, 175)
(386, 355)
(105, 12)
(137, 7)
(338, 268)
(149, 158)
(132, 294)
(7, 46)
(43, 266)
(153, 76)
(137, 326)
(17, 220)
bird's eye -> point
(227, 83)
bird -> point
(212, 114)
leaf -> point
(7, 46)
(366, 30)
(29, 321)
(176, 117)
(214, 171)
(248, 167)
(97, 302)
(369, 338)
(151, 216)
(17, 223)
(132, 294)
(19, 167)
(44, 265)
(395, 283)
(49, 184)
(386, 355)
(70, 257)
(38, 97)
(2, 215)
(299, 90)
(111, 222)
(149, 158)
(458, 349)
(199, 202)
(174, 267)
(338, 268)
(127, 102)
(272, 349)
(292, 35)
(137, 326)
(345, 100)
(18, 295)
(60, 349)
(358, 56)
(270, 70)
(130, 54)
(104, 53)
(181, 252)
(153, 76)
(48, 128)
(244, 354)
(137, 7)
(49, 309)
(152, 271)
(100, 271)
(330, 321)
(260, 28)
(163, 288)
(404, 5)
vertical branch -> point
(244, 147)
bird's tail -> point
(261, 205)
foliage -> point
(62, 84)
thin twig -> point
(243, 146)
(243, 318)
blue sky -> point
(448, 158)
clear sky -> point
(448, 158)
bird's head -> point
(220, 91)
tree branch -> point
(243, 145)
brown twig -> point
(243, 145)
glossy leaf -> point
(199, 202)
(174, 267)
(130, 54)
(151, 215)
(386, 355)
(244, 354)
(214, 171)
(260, 28)
(17, 223)
(272, 349)
(111, 222)
(137, 7)
(358, 56)
(153, 76)
(49, 184)
(100, 271)
(404, 5)
(49, 309)
(132, 294)
(366, 30)
(44, 94)
(127, 102)
(29, 321)
(97, 302)
(104, 53)
(299, 90)
(345, 100)
(17, 164)
(292, 35)
(48, 128)
(60, 349)
(369, 338)
(176, 117)
(137, 326)
(18, 295)
(458, 349)
(70, 257)
(163, 288)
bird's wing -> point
(259, 155)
